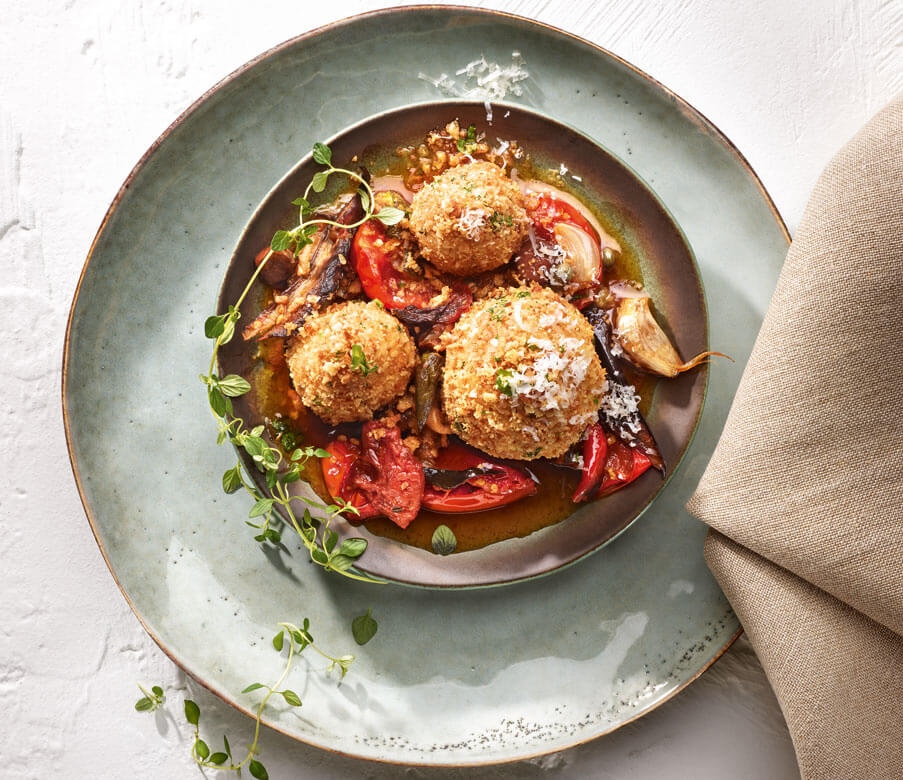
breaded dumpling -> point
(469, 219)
(522, 378)
(349, 360)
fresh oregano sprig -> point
(280, 471)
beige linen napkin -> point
(804, 492)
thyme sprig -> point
(299, 639)
(280, 467)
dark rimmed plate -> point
(454, 677)
(667, 265)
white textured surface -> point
(85, 88)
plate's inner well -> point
(653, 252)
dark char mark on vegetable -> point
(602, 332)
(327, 281)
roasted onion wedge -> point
(645, 343)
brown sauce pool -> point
(551, 504)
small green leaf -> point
(444, 541)
(226, 745)
(319, 452)
(291, 697)
(319, 556)
(256, 769)
(353, 547)
(143, 704)
(340, 562)
(365, 199)
(278, 640)
(329, 540)
(322, 154)
(305, 206)
(254, 446)
(157, 691)
(273, 535)
(192, 712)
(282, 240)
(233, 385)
(359, 361)
(262, 507)
(318, 183)
(218, 402)
(232, 480)
(219, 758)
(253, 687)
(389, 215)
(201, 749)
(363, 627)
(214, 326)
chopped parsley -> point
(469, 142)
(359, 361)
(503, 381)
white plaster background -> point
(85, 87)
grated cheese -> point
(482, 79)
(471, 222)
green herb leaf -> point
(503, 381)
(318, 183)
(256, 769)
(444, 541)
(219, 758)
(365, 199)
(218, 402)
(226, 745)
(305, 206)
(214, 326)
(322, 154)
(253, 687)
(157, 691)
(192, 712)
(254, 446)
(233, 385)
(353, 547)
(389, 215)
(329, 540)
(291, 697)
(363, 628)
(232, 480)
(340, 562)
(359, 361)
(282, 240)
(143, 704)
(201, 749)
(278, 641)
(262, 507)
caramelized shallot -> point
(581, 254)
(645, 343)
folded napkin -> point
(804, 493)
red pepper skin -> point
(595, 450)
(479, 493)
(626, 465)
(336, 469)
(548, 211)
(380, 279)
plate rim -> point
(692, 114)
(222, 304)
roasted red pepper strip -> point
(372, 254)
(547, 211)
(336, 468)
(622, 466)
(592, 471)
(505, 485)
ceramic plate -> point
(642, 225)
(453, 676)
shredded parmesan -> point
(554, 377)
(471, 222)
(483, 80)
(620, 405)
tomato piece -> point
(546, 211)
(622, 466)
(372, 254)
(336, 469)
(504, 485)
(387, 474)
(595, 452)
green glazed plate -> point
(454, 677)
